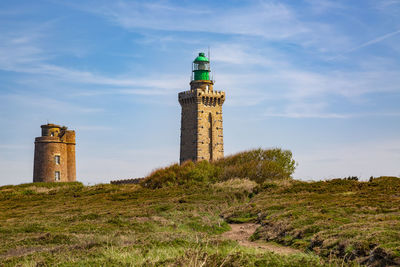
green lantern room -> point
(201, 68)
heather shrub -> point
(258, 165)
(188, 172)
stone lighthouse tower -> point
(54, 155)
(201, 118)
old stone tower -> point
(201, 118)
(54, 155)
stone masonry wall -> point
(71, 165)
(188, 148)
(210, 129)
(201, 122)
(55, 141)
(46, 148)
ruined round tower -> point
(201, 118)
(54, 155)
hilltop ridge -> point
(167, 221)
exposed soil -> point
(242, 232)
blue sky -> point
(318, 77)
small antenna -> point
(213, 76)
(209, 64)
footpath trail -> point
(242, 232)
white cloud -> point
(46, 104)
(323, 115)
(22, 52)
(267, 19)
(243, 54)
(387, 4)
(323, 6)
(374, 41)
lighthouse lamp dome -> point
(201, 68)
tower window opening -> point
(57, 176)
(201, 66)
(57, 159)
(52, 134)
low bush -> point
(188, 172)
(259, 165)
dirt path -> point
(242, 232)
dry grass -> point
(176, 218)
(346, 219)
(114, 225)
(237, 183)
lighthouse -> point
(201, 116)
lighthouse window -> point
(57, 159)
(57, 176)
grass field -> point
(114, 225)
(177, 215)
(341, 218)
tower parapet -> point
(201, 117)
(54, 155)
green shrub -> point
(188, 172)
(258, 165)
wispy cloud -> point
(271, 57)
(322, 6)
(387, 4)
(374, 41)
(318, 115)
(244, 54)
(22, 53)
(268, 19)
(276, 81)
(48, 104)
(294, 115)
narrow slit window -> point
(57, 159)
(57, 176)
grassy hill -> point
(167, 222)
(340, 218)
(114, 225)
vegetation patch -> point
(344, 218)
(257, 165)
(177, 215)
